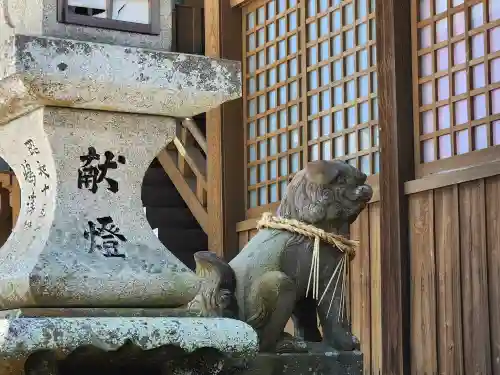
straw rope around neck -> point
(343, 244)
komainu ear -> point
(321, 172)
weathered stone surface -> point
(88, 312)
(68, 73)
(53, 256)
(20, 337)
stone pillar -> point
(82, 237)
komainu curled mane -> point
(266, 283)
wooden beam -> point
(181, 184)
(214, 138)
(182, 140)
(394, 62)
(239, 3)
(453, 177)
(190, 125)
(233, 137)
(225, 162)
(194, 159)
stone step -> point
(161, 196)
(171, 217)
(156, 176)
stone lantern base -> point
(79, 345)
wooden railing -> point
(185, 162)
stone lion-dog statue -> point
(267, 282)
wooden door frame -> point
(394, 69)
(225, 136)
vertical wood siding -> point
(365, 293)
(455, 274)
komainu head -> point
(326, 193)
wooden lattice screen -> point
(309, 90)
(456, 48)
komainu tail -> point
(216, 295)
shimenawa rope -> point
(345, 245)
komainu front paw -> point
(343, 340)
(290, 344)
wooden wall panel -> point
(455, 278)
(244, 236)
(423, 284)
(360, 291)
(474, 278)
(365, 298)
(224, 137)
(449, 291)
(493, 256)
(376, 291)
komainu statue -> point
(295, 266)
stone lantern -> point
(80, 122)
